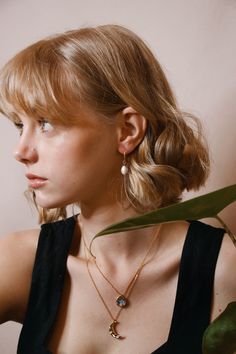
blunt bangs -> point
(35, 83)
(106, 69)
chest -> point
(84, 319)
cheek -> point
(59, 153)
(77, 171)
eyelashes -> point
(19, 127)
(43, 124)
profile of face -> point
(82, 80)
(69, 164)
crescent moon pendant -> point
(112, 330)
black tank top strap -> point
(47, 285)
(193, 302)
(193, 297)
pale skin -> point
(82, 164)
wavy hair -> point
(109, 68)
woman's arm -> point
(225, 279)
(17, 253)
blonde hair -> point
(109, 68)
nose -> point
(25, 153)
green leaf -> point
(208, 205)
(220, 336)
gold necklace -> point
(122, 299)
(112, 327)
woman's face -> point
(70, 164)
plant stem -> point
(231, 235)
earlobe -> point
(131, 130)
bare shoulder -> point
(17, 254)
(226, 265)
(24, 238)
(225, 284)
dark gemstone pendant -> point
(121, 301)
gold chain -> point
(128, 290)
(122, 299)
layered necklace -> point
(122, 300)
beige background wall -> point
(194, 41)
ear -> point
(131, 130)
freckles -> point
(62, 139)
(66, 143)
(60, 148)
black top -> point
(193, 300)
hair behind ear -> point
(160, 169)
(109, 68)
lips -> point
(35, 181)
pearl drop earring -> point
(124, 169)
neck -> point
(118, 247)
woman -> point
(99, 127)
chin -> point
(50, 203)
(50, 200)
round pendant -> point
(121, 301)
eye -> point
(19, 126)
(45, 126)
